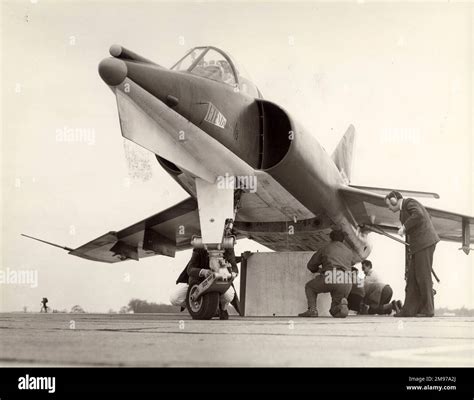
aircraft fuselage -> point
(209, 129)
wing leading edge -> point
(163, 233)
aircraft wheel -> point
(203, 308)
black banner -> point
(67, 382)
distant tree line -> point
(135, 306)
(458, 312)
(138, 306)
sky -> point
(401, 73)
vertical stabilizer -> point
(342, 155)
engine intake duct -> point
(275, 134)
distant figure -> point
(422, 238)
(44, 306)
(377, 294)
(335, 256)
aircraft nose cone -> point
(113, 71)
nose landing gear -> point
(202, 299)
(218, 208)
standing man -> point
(335, 256)
(422, 238)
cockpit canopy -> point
(212, 63)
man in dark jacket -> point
(422, 238)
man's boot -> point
(309, 313)
(341, 310)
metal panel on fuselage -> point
(229, 116)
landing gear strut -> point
(218, 207)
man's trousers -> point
(419, 298)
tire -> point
(205, 307)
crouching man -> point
(378, 295)
(196, 271)
(335, 256)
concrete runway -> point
(176, 340)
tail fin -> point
(342, 155)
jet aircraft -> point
(246, 163)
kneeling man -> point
(335, 256)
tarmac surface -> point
(156, 340)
